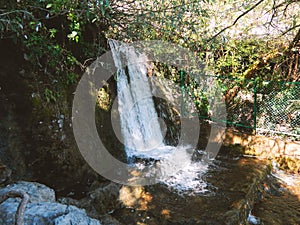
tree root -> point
(19, 218)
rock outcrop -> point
(42, 208)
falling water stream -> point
(141, 128)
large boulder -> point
(42, 208)
(45, 213)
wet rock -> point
(105, 198)
(280, 202)
(100, 201)
(90, 210)
(109, 220)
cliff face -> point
(15, 110)
(36, 136)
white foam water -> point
(179, 172)
(141, 131)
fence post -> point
(182, 92)
(255, 105)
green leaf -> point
(52, 31)
(48, 6)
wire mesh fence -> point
(278, 107)
(240, 102)
(264, 107)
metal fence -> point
(264, 107)
(278, 109)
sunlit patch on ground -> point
(166, 213)
(135, 197)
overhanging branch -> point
(236, 20)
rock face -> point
(5, 173)
(42, 208)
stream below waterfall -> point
(239, 190)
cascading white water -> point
(139, 122)
(140, 126)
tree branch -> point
(296, 39)
(290, 29)
(236, 20)
(16, 11)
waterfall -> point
(140, 127)
(139, 122)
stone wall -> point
(286, 153)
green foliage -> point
(235, 57)
(50, 35)
(173, 21)
(201, 102)
(59, 38)
(75, 27)
(50, 95)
